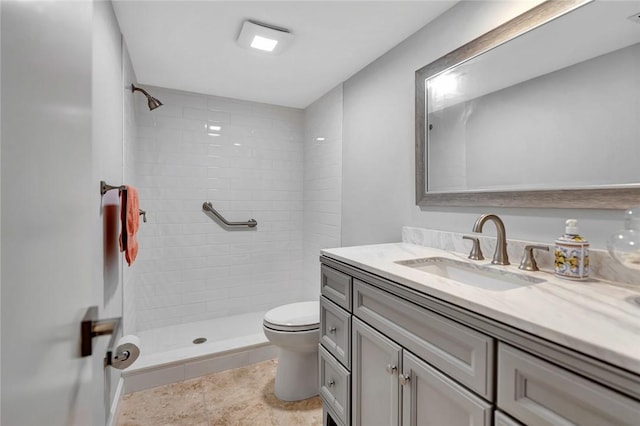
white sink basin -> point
(488, 278)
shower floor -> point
(169, 355)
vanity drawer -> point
(335, 331)
(336, 287)
(459, 351)
(335, 385)
(539, 393)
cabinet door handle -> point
(332, 330)
(331, 383)
(404, 379)
(391, 369)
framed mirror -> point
(542, 111)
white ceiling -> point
(190, 45)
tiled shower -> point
(280, 166)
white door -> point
(50, 208)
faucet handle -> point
(476, 253)
(528, 262)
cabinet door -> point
(429, 398)
(376, 362)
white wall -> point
(0, 218)
(129, 139)
(378, 153)
(189, 268)
(107, 119)
(322, 183)
(110, 92)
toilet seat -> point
(303, 316)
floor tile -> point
(176, 404)
(239, 397)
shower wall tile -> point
(322, 195)
(247, 160)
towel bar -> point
(104, 187)
(207, 206)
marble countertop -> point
(594, 317)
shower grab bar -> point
(207, 206)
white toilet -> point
(295, 330)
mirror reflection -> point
(555, 108)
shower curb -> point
(191, 368)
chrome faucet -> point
(500, 256)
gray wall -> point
(378, 144)
(322, 192)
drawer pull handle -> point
(331, 383)
(404, 379)
(391, 369)
(332, 330)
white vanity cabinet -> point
(501, 419)
(334, 355)
(407, 358)
(391, 386)
(429, 398)
(376, 365)
(540, 393)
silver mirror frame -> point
(605, 197)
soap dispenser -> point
(572, 254)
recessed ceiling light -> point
(264, 43)
(264, 37)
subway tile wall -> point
(322, 183)
(247, 160)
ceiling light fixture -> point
(264, 37)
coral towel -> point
(130, 217)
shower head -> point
(151, 101)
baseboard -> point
(114, 410)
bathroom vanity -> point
(402, 343)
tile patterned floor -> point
(240, 397)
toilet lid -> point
(294, 317)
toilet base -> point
(296, 375)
